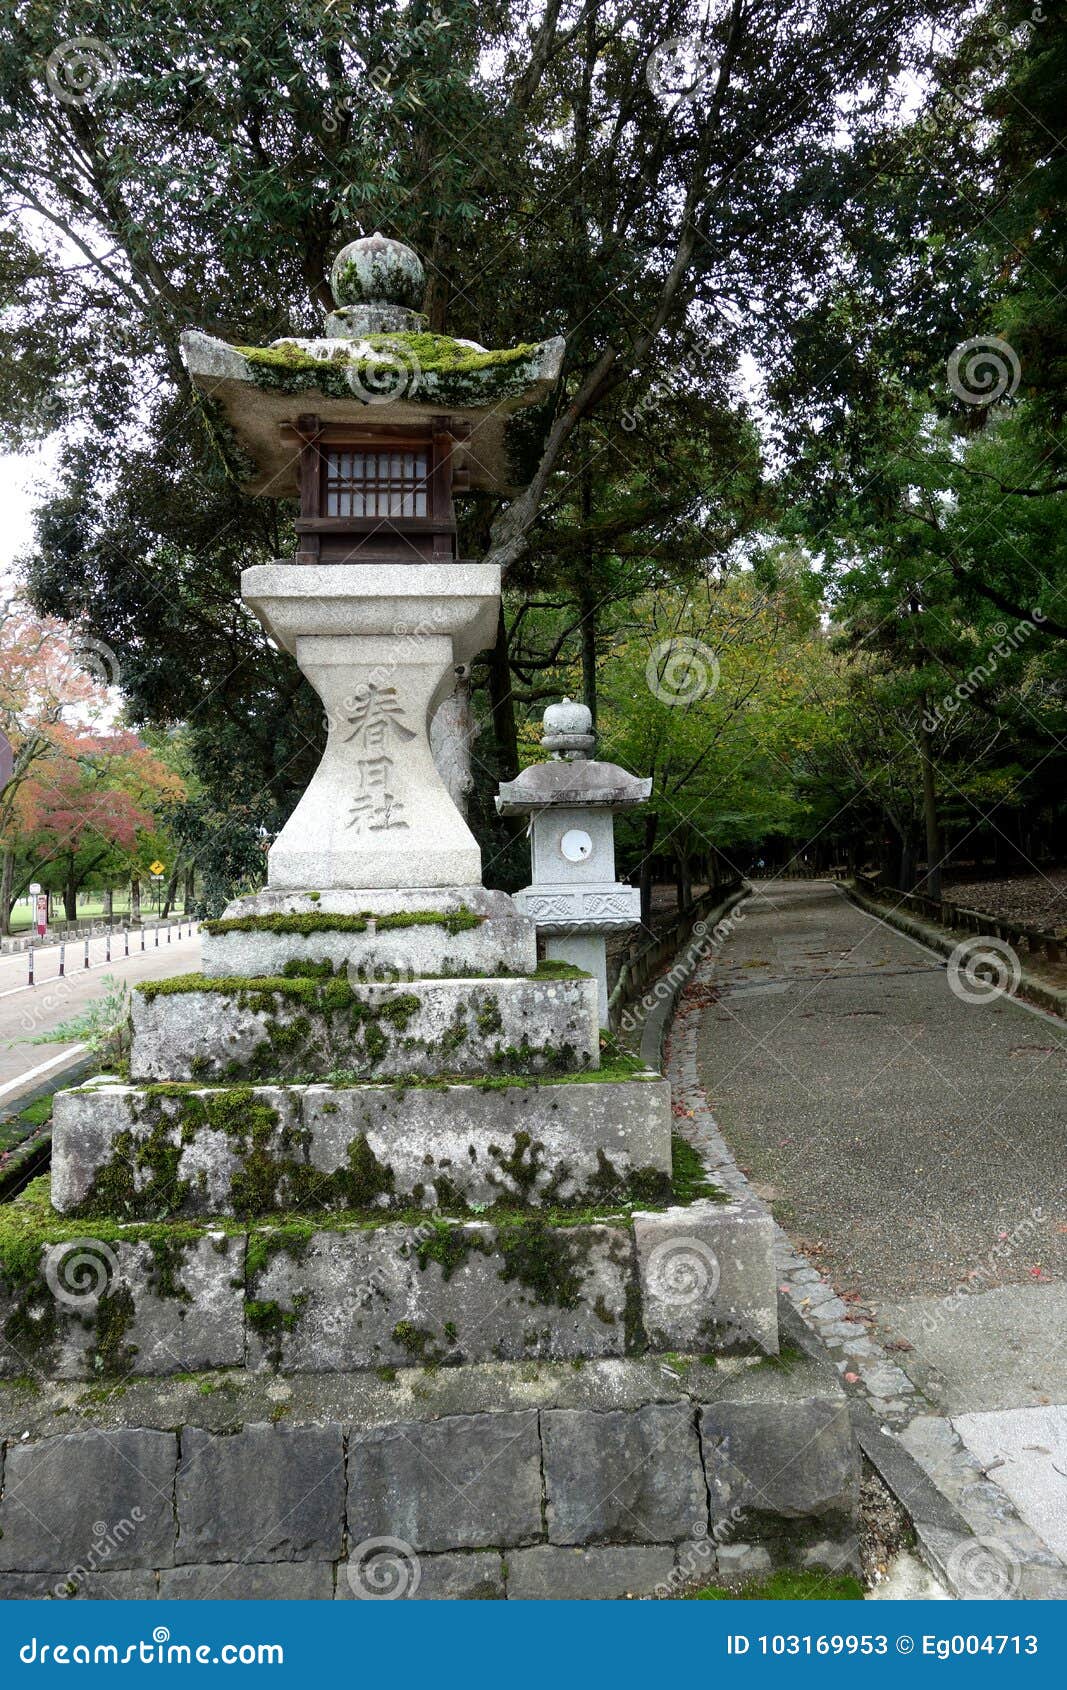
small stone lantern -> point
(575, 898)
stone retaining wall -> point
(656, 1493)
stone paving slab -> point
(1025, 1451)
(976, 1350)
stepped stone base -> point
(616, 1479)
(263, 1149)
(167, 1298)
(254, 1028)
(479, 932)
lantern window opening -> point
(384, 483)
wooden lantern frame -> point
(393, 538)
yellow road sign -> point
(157, 867)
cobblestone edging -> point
(966, 1528)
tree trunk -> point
(932, 882)
(587, 599)
(453, 731)
(172, 890)
(135, 900)
(651, 829)
(7, 877)
(70, 896)
(108, 901)
(190, 888)
(501, 706)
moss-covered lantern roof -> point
(378, 365)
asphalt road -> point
(27, 1012)
(911, 1141)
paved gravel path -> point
(911, 1142)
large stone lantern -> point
(574, 897)
(374, 426)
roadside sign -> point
(157, 867)
(42, 914)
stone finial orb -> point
(377, 271)
(568, 730)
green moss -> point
(488, 1019)
(787, 1585)
(417, 1342)
(115, 1316)
(689, 1175)
(440, 366)
(449, 1246)
(453, 922)
(545, 1264)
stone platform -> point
(377, 934)
(298, 1297)
(251, 1027)
(618, 1478)
(186, 1150)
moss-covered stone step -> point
(317, 1026)
(381, 936)
(100, 1299)
(181, 1150)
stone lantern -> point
(374, 426)
(575, 899)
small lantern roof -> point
(375, 365)
(572, 779)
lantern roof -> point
(376, 365)
(572, 779)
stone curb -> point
(884, 1401)
(1030, 988)
(655, 1029)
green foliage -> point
(103, 1025)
